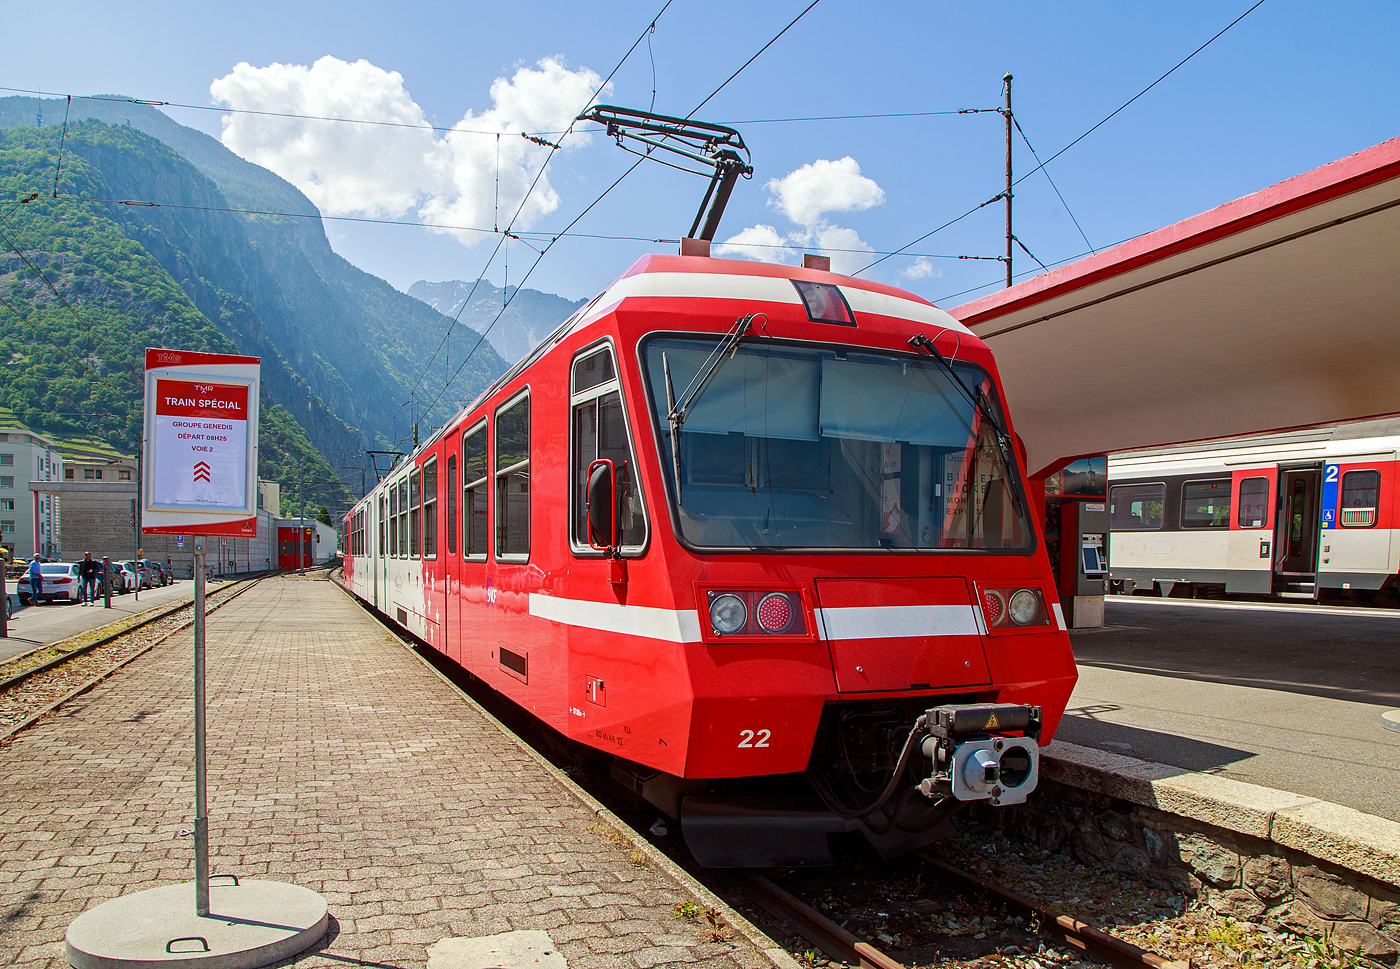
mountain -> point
(528, 320)
(84, 292)
(344, 352)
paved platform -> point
(1289, 697)
(340, 762)
(32, 626)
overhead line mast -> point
(1006, 113)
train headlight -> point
(1024, 607)
(728, 614)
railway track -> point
(839, 943)
(38, 682)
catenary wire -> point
(605, 192)
(1076, 141)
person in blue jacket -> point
(36, 581)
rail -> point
(838, 942)
(164, 613)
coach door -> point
(1295, 534)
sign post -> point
(199, 478)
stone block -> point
(1087, 845)
(1269, 877)
(1362, 938)
(1156, 848)
(1115, 826)
(1327, 894)
(1214, 862)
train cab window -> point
(1136, 508)
(1361, 493)
(1205, 504)
(513, 480)
(415, 492)
(451, 504)
(474, 487)
(403, 518)
(1254, 502)
(393, 521)
(430, 498)
(600, 432)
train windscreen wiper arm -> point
(678, 409)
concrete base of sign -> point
(253, 923)
(1391, 719)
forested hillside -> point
(530, 317)
(147, 241)
(83, 297)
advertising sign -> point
(201, 443)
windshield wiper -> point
(978, 401)
(678, 410)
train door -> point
(382, 602)
(452, 578)
(1295, 532)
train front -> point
(880, 639)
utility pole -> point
(1006, 113)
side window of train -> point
(430, 498)
(403, 518)
(599, 432)
(394, 521)
(1361, 495)
(1206, 504)
(1254, 502)
(451, 504)
(415, 488)
(474, 488)
(1136, 508)
(512, 506)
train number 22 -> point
(752, 739)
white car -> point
(59, 584)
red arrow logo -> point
(201, 471)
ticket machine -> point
(1076, 532)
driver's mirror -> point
(602, 532)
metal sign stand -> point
(245, 924)
(201, 806)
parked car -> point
(124, 577)
(156, 576)
(143, 575)
(60, 583)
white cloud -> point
(804, 196)
(760, 242)
(823, 186)
(378, 171)
(921, 268)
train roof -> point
(658, 276)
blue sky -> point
(1292, 86)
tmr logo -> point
(201, 471)
(204, 388)
(167, 357)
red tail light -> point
(994, 606)
(775, 613)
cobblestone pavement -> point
(340, 762)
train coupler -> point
(973, 759)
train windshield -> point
(800, 446)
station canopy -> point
(1277, 310)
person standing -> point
(36, 581)
(88, 571)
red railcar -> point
(760, 534)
